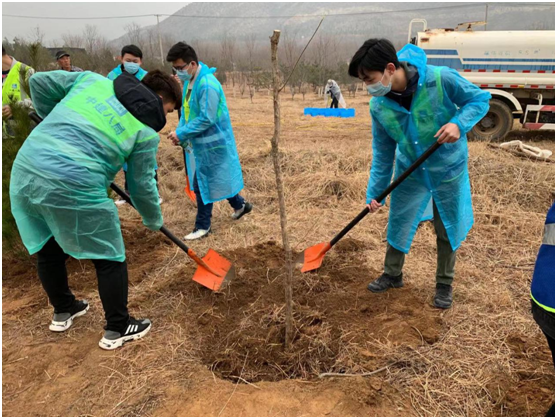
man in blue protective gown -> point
(414, 105)
(205, 132)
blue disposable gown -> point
(442, 96)
(205, 128)
(61, 174)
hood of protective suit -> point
(205, 70)
(144, 104)
(413, 55)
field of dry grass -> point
(220, 354)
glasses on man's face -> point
(179, 67)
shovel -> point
(213, 270)
(313, 256)
(187, 190)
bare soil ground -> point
(222, 354)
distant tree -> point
(134, 34)
(228, 51)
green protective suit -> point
(62, 172)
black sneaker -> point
(136, 329)
(63, 321)
(246, 209)
(443, 296)
(384, 282)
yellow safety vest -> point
(11, 90)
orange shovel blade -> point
(188, 191)
(314, 255)
(220, 273)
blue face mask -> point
(131, 68)
(183, 75)
(379, 89)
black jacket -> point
(144, 104)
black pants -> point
(546, 321)
(112, 280)
(334, 103)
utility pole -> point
(486, 7)
(160, 40)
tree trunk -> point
(280, 190)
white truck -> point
(516, 67)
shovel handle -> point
(166, 232)
(387, 191)
(163, 229)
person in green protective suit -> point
(414, 105)
(60, 177)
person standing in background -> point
(131, 60)
(65, 62)
(15, 79)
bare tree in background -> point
(151, 39)
(91, 38)
(291, 50)
(228, 51)
(36, 35)
(249, 43)
(135, 34)
(73, 40)
(325, 50)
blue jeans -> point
(205, 211)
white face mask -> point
(379, 89)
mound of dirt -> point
(241, 331)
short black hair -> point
(133, 50)
(183, 51)
(374, 55)
(3, 50)
(165, 85)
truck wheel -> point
(496, 124)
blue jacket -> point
(400, 135)
(543, 283)
(118, 70)
(206, 131)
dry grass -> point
(469, 370)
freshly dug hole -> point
(336, 320)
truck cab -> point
(516, 67)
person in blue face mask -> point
(414, 105)
(131, 59)
(205, 133)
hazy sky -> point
(54, 29)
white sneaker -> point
(160, 200)
(197, 234)
(63, 321)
